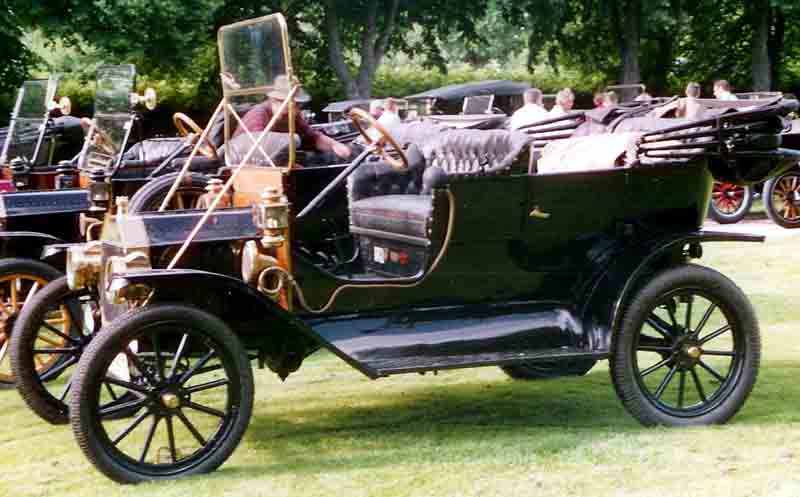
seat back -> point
(464, 152)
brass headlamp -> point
(271, 217)
(83, 265)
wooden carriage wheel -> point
(15, 291)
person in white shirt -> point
(531, 112)
(565, 99)
(376, 108)
(722, 90)
(390, 116)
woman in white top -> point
(565, 99)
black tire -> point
(730, 203)
(543, 370)
(655, 331)
(782, 199)
(23, 275)
(149, 197)
(34, 336)
(175, 327)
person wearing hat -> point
(257, 118)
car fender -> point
(258, 321)
(604, 302)
(25, 243)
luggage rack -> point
(735, 134)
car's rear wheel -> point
(782, 199)
(57, 322)
(542, 370)
(730, 202)
(150, 196)
(193, 387)
(688, 349)
(20, 279)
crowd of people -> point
(533, 109)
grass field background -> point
(328, 431)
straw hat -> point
(281, 87)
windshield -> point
(28, 119)
(112, 114)
(254, 61)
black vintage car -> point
(456, 251)
(40, 135)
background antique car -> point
(456, 263)
(35, 224)
(40, 135)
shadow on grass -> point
(400, 425)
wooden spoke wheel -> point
(191, 388)
(20, 279)
(55, 326)
(782, 199)
(688, 350)
(188, 195)
(730, 202)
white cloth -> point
(389, 119)
(588, 153)
(556, 111)
(726, 95)
(528, 114)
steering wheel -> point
(182, 121)
(379, 145)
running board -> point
(427, 363)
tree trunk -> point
(632, 19)
(374, 44)
(776, 46)
(336, 52)
(761, 67)
(625, 21)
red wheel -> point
(730, 202)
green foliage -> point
(15, 57)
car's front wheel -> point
(193, 395)
(688, 349)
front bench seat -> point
(385, 199)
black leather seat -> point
(385, 201)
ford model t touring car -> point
(434, 249)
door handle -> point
(539, 214)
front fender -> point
(282, 338)
(605, 300)
(25, 244)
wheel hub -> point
(689, 354)
(170, 400)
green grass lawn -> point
(328, 431)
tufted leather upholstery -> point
(386, 199)
(463, 152)
(151, 152)
(376, 178)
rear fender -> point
(606, 299)
(282, 339)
